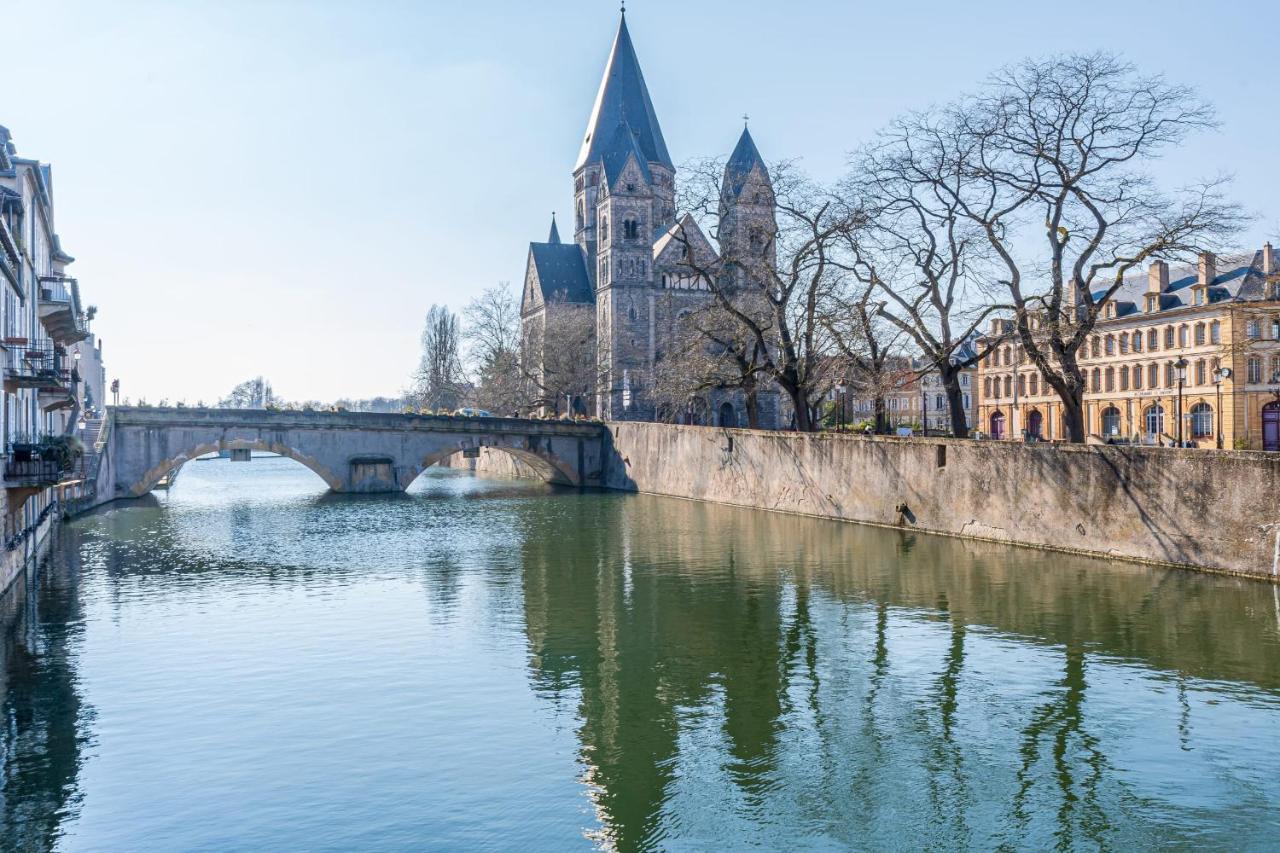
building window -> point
(630, 229)
(1022, 385)
(1035, 384)
(1154, 419)
(1124, 377)
(986, 387)
(1253, 330)
(1201, 420)
(1137, 377)
(1008, 386)
(1097, 379)
(1182, 335)
(1111, 379)
(1200, 337)
(1215, 332)
(1275, 370)
(1137, 341)
(1111, 421)
(964, 380)
(1255, 370)
(1153, 375)
(1124, 343)
(1170, 374)
(1200, 372)
(1153, 340)
(1168, 337)
(1093, 347)
(604, 229)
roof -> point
(554, 237)
(744, 158)
(623, 144)
(1239, 279)
(562, 272)
(692, 235)
(623, 95)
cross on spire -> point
(745, 119)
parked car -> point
(469, 412)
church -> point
(597, 313)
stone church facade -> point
(635, 263)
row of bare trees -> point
(1030, 200)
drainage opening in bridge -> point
(373, 474)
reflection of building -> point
(633, 263)
(1188, 321)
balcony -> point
(42, 367)
(60, 312)
(31, 473)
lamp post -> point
(1181, 366)
(924, 408)
(843, 392)
(1218, 376)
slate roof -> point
(554, 237)
(1239, 279)
(623, 143)
(744, 158)
(562, 272)
(623, 96)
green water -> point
(248, 664)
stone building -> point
(634, 263)
(41, 326)
(913, 397)
(1210, 329)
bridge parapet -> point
(350, 451)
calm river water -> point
(248, 663)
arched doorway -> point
(1035, 424)
(1271, 426)
(1110, 422)
(1153, 420)
(728, 417)
(997, 424)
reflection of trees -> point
(659, 616)
(43, 715)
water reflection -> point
(481, 663)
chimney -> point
(1208, 269)
(1158, 277)
(1268, 259)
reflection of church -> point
(633, 259)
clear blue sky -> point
(284, 187)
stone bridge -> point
(350, 451)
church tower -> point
(624, 197)
(748, 220)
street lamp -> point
(1181, 366)
(841, 390)
(1218, 376)
(924, 409)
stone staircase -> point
(88, 466)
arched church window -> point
(630, 229)
(604, 228)
(581, 216)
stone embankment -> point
(1208, 510)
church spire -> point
(744, 158)
(554, 237)
(622, 94)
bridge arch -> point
(548, 467)
(153, 475)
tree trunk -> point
(1073, 417)
(800, 407)
(882, 417)
(955, 402)
(753, 408)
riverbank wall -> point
(1201, 509)
(27, 548)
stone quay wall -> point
(1208, 510)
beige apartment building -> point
(1206, 334)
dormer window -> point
(1153, 303)
(1109, 311)
(1198, 296)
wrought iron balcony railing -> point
(37, 366)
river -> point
(249, 663)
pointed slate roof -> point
(1239, 278)
(744, 158)
(555, 233)
(623, 95)
(623, 143)
(562, 272)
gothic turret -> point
(748, 224)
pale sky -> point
(284, 188)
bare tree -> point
(925, 262)
(492, 330)
(438, 381)
(706, 353)
(1047, 162)
(776, 283)
(253, 393)
(870, 351)
(559, 358)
